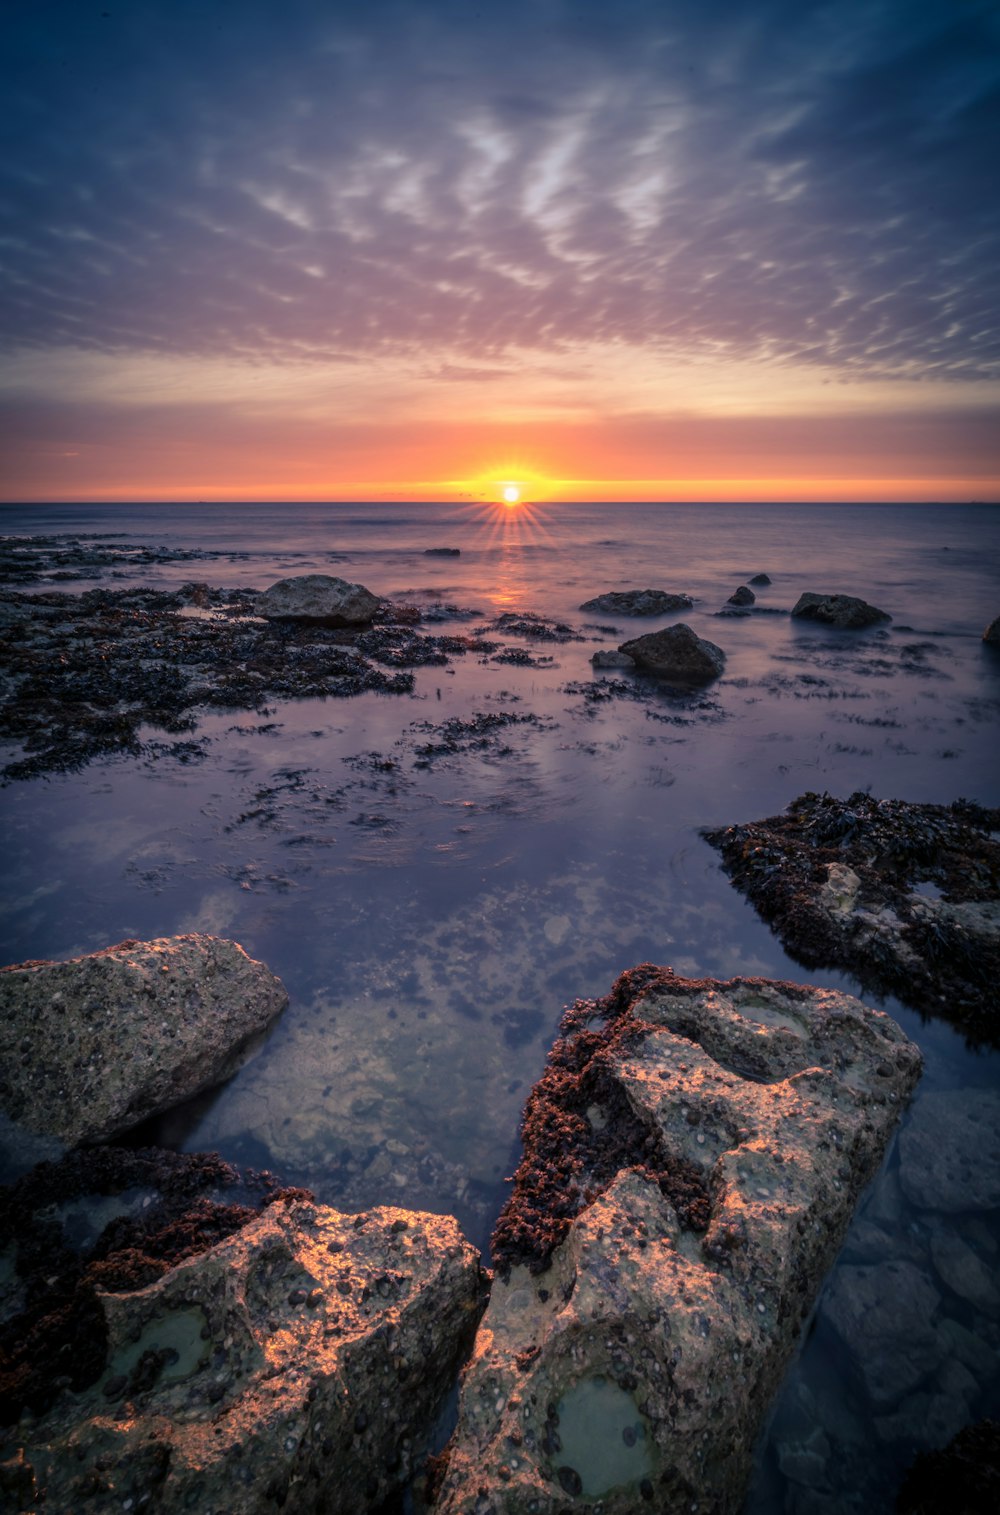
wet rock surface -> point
(93, 1046)
(838, 610)
(692, 1157)
(677, 654)
(904, 896)
(318, 597)
(299, 1361)
(638, 602)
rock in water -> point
(604, 658)
(300, 1364)
(677, 654)
(318, 597)
(638, 602)
(762, 579)
(693, 1153)
(838, 610)
(992, 632)
(93, 1046)
(742, 596)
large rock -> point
(902, 895)
(300, 1363)
(638, 602)
(838, 610)
(318, 597)
(677, 654)
(693, 1153)
(93, 1046)
(742, 596)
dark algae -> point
(904, 896)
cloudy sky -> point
(406, 248)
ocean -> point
(431, 917)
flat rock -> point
(638, 602)
(904, 896)
(92, 1046)
(677, 654)
(442, 552)
(692, 1155)
(950, 1151)
(606, 658)
(884, 1316)
(299, 1363)
(838, 610)
(318, 597)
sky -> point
(418, 249)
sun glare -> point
(511, 493)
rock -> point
(318, 597)
(95, 1045)
(992, 632)
(949, 1151)
(963, 1271)
(638, 602)
(760, 579)
(299, 1363)
(838, 610)
(742, 596)
(442, 552)
(964, 1476)
(692, 1155)
(677, 654)
(883, 1316)
(607, 659)
(841, 883)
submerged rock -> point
(742, 596)
(692, 1155)
(838, 610)
(676, 653)
(605, 658)
(904, 896)
(638, 602)
(950, 1151)
(318, 597)
(298, 1363)
(93, 1046)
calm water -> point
(431, 922)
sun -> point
(511, 493)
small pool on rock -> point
(177, 1333)
(603, 1437)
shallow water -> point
(431, 916)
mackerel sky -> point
(683, 249)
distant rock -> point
(93, 1046)
(677, 653)
(638, 602)
(742, 596)
(299, 1363)
(838, 610)
(692, 1156)
(760, 579)
(992, 632)
(318, 597)
(442, 552)
(604, 658)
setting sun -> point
(511, 493)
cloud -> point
(805, 183)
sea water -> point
(431, 918)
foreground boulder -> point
(318, 597)
(677, 654)
(298, 1363)
(638, 602)
(692, 1155)
(95, 1045)
(838, 610)
(904, 896)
